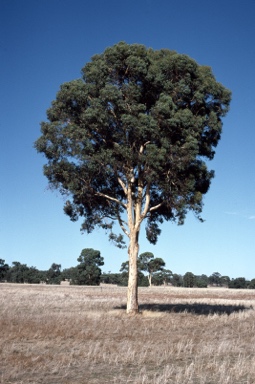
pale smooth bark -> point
(132, 293)
(137, 208)
(134, 221)
(149, 278)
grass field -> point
(74, 335)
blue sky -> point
(45, 43)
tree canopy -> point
(149, 264)
(54, 274)
(88, 271)
(128, 142)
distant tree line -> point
(87, 272)
(188, 280)
(151, 271)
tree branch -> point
(142, 147)
(156, 207)
(111, 199)
(122, 184)
(147, 202)
(121, 223)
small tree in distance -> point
(127, 143)
(238, 283)
(251, 285)
(215, 279)
(88, 271)
(163, 277)
(149, 264)
(54, 274)
(189, 280)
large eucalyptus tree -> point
(128, 141)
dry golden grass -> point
(60, 335)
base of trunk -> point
(133, 312)
(132, 302)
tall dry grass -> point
(55, 334)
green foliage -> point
(156, 265)
(124, 267)
(3, 269)
(138, 121)
(53, 275)
(215, 279)
(149, 264)
(225, 281)
(111, 278)
(252, 284)
(238, 283)
(189, 280)
(144, 260)
(201, 281)
(162, 277)
(145, 263)
(142, 280)
(21, 273)
(88, 271)
(17, 272)
(177, 280)
(69, 274)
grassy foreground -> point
(70, 334)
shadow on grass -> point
(196, 308)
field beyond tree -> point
(81, 334)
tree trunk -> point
(132, 293)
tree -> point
(225, 280)
(111, 278)
(166, 276)
(33, 276)
(18, 273)
(21, 273)
(143, 260)
(127, 143)
(238, 283)
(162, 277)
(88, 271)
(147, 263)
(177, 280)
(54, 274)
(3, 269)
(189, 280)
(69, 274)
(201, 281)
(252, 284)
(215, 279)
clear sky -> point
(45, 43)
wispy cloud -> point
(233, 213)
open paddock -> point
(78, 334)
